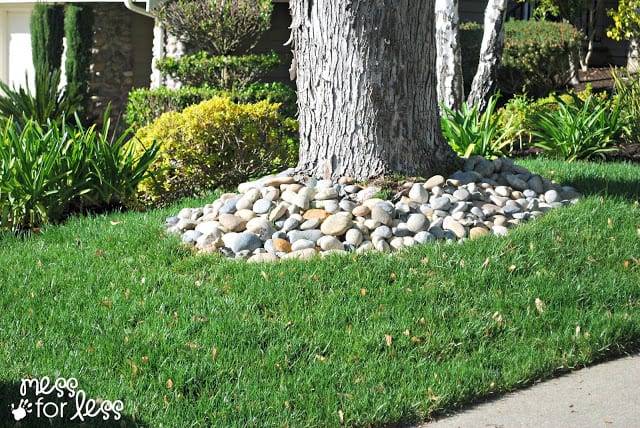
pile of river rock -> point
(278, 217)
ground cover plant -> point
(359, 340)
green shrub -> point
(146, 105)
(226, 71)
(535, 59)
(47, 32)
(513, 120)
(537, 56)
(470, 132)
(578, 129)
(220, 27)
(48, 172)
(216, 143)
(470, 43)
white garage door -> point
(15, 47)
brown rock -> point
(361, 211)
(315, 213)
(277, 181)
(477, 232)
(232, 223)
(337, 224)
(282, 245)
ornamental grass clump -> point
(627, 94)
(48, 172)
(578, 128)
(471, 132)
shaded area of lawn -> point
(362, 340)
(592, 179)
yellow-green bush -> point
(216, 144)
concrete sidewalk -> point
(605, 395)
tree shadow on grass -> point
(31, 410)
(602, 186)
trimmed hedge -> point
(538, 56)
(146, 105)
(222, 71)
(217, 143)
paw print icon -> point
(21, 411)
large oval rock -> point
(418, 193)
(241, 241)
(232, 223)
(337, 224)
(417, 223)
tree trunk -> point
(484, 82)
(449, 61)
(596, 11)
(366, 84)
(633, 55)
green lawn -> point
(366, 340)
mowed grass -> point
(359, 340)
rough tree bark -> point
(484, 82)
(449, 59)
(366, 84)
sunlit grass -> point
(362, 340)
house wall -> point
(122, 50)
(15, 44)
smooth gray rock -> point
(191, 236)
(290, 224)
(312, 223)
(328, 243)
(383, 232)
(417, 223)
(511, 209)
(229, 206)
(418, 193)
(346, 205)
(268, 245)
(302, 244)
(462, 194)
(379, 214)
(552, 196)
(424, 237)
(311, 235)
(441, 203)
(262, 206)
(241, 241)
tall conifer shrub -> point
(47, 31)
(78, 30)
